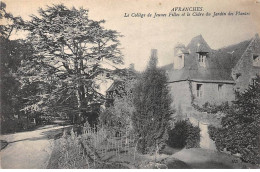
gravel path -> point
(28, 150)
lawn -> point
(199, 158)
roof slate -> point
(219, 62)
(198, 44)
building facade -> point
(200, 75)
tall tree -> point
(152, 108)
(10, 22)
(12, 52)
(69, 50)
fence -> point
(106, 145)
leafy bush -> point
(213, 131)
(184, 134)
(178, 135)
(193, 139)
(71, 152)
(212, 108)
(240, 131)
(81, 151)
(117, 118)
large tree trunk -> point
(81, 99)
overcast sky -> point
(143, 34)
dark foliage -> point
(213, 131)
(240, 131)
(193, 139)
(152, 109)
(211, 108)
(184, 135)
(12, 54)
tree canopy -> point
(70, 52)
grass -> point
(169, 150)
(199, 158)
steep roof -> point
(167, 67)
(219, 62)
(227, 57)
(198, 44)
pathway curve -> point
(28, 150)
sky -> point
(140, 35)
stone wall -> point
(214, 93)
(180, 93)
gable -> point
(219, 62)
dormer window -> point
(202, 59)
(253, 81)
(256, 60)
(181, 61)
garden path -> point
(28, 150)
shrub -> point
(213, 131)
(184, 134)
(81, 151)
(193, 139)
(70, 152)
(240, 131)
(178, 135)
(117, 118)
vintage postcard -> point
(130, 84)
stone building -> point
(200, 74)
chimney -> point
(132, 66)
(154, 53)
(153, 59)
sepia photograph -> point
(130, 84)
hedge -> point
(184, 134)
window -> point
(256, 60)
(220, 90)
(220, 87)
(253, 82)
(202, 59)
(199, 90)
(181, 61)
